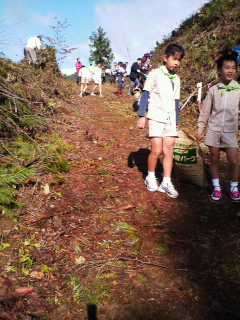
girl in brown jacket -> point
(220, 111)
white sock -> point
(216, 184)
(166, 180)
(151, 174)
(233, 185)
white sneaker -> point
(80, 95)
(169, 189)
(101, 95)
(235, 194)
(151, 184)
(93, 94)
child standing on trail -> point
(91, 68)
(120, 74)
(97, 78)
(84, 74)
(78, 68)
(134, 75)
(163, 88)
(220, 110)
(113, 73)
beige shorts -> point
(221, 139)
(84, 80)
(161, 130)
(97, 80)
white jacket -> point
(84, 73)
(33, 42)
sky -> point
(132, 26)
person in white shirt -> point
(32, 45)
(97, 79)
(85, 76)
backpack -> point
(144, 59)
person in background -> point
(134, 75)
(33, 44)
(163, 88)
(145, 65)
(125, 66)
(91, 70)
(220, 113)
(146, 61)
(78, 68)
(84, 76)
(113, 72)
(120, 74)
(97, 72)
(103, 74)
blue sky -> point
(133, 26)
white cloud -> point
(136, 25)
(43, 20)
(68, 71)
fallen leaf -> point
(129, 206)
(24, 290)
(80, 260)
(46, 189)
(37, 274)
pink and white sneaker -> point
(235, 194)
(216, 195)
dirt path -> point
(106, 241)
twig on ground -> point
(118, 257)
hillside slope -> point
(204, 35)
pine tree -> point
(100, 49)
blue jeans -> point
(120, 82)
(133, 83)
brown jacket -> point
(220, 109)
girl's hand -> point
(199, 137)
(141, 122)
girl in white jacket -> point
(97, 79)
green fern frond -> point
(12, 179)
(21, 144)
(125, 227)
(31, 121)
(9, 213)
(6, 196)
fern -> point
(6, 196)
(9, 213)
(15, 178)
(125, 227)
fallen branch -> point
(103, 263)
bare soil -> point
(102, 246)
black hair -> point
(139, 59)
(227, 55)
(174, 48)
(77, 59)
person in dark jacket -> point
(134, 75)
